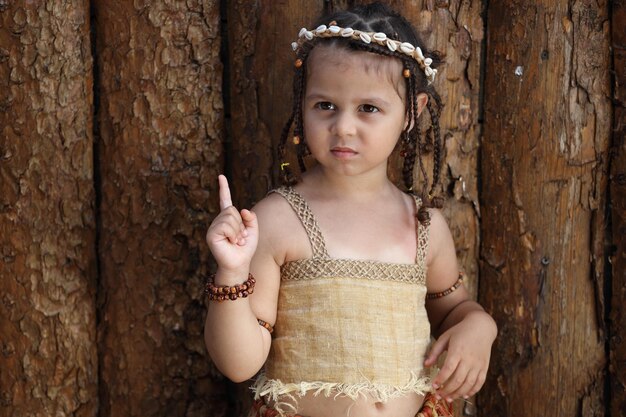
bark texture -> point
(544, 169)
(159, 153)
(617, 352)
(48, 363)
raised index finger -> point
(225, 200)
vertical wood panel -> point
(48, 363)
(261, 74)
(618, 211)
(159, 152)
(544, 163)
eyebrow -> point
(372, 100)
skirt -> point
(432, 407)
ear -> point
(422, 100)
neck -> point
(358, 187)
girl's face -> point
(353, 109)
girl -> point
(352, 273)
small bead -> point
(298, 63)
(296, 140)
(406, 73)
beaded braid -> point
(285, 172)
(301, 148)
(436, 140)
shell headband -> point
(334, 31)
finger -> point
(480, 380)
(436, 349)
(453, 382)
(466, 386)
(228, 224)
(448, 368)
(227, 230)
(249, 219)
(225, 199)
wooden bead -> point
(225, 292)
(406, 73)
(298, 63)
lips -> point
(342, 152)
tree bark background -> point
(530, 202)
(544, 169)
(617, 352)
(159, 151)
(48, 362)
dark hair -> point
(377, 17)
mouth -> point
(342, 152)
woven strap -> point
(422, 237)
(304, 213)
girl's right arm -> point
(236, 342)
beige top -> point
(345, 326)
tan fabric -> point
(347, 327)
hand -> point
(233, 235)
(469, 348)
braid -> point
(287, 177)
(410, 138)
(436, 136)
(299, 87)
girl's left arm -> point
(462, 326)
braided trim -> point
(334, 31)
(313, 269)
(304, 213)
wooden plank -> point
(48, 360)
(160, 119)
(617, 346)
(544, 171)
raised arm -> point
(236, 342)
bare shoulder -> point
(279, 227)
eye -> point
(325, 105)
(368, 108)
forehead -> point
(385, 70)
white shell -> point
(294, 45)
(406, 47)
(392, 45)
(302, 32)
(418, 52)
(334, 29)
(428, 61)
(321, 29)
(428, 71)
(365, 37)
(308, 34)
(379, 36)
(347, 32)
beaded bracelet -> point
(457, 284)
(225, 292)
(266, 325)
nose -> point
(344, 124)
